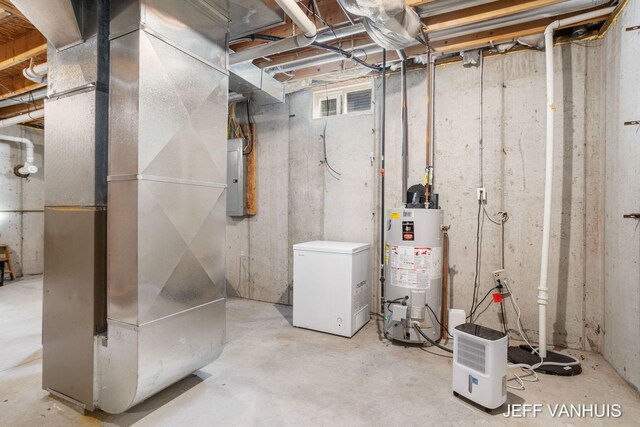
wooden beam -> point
(612, 18)
(251, 201)
(501, 35)
(19, 50)
(484, 12)
(414, 3)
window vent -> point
(359, 100)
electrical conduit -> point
(405, 125)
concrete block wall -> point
(298, 200)
(21, 203)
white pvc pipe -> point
(543, 290)
(36, 73)
(298, 17)
(16, 120)
(28, 166)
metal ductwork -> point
(57, 20)
(166, 211)
(390, 23)
(135, 202)
(299, 18)
(246, 78)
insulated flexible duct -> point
(390, 23)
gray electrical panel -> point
(236, 184)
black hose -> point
(418, 330)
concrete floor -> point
(273, 374)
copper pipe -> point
(445, 268)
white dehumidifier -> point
(480, 365)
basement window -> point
(344, 100)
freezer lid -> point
(332, 247)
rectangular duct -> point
(60, 21)
(135, 201)
(74, 303)
(247, 78)
(166, 212)
(134, 285)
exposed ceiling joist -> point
(414, 3)
(19, 43)
(501, 35)
(482, 12)
(22, 49)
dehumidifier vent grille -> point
(471, 354)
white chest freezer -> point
(331, 286)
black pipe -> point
(382, 148)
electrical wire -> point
(331, 170)
(534, 350)
(470, 316)
(395, 301)
(477, 271)
(481, 119)
(233, 127)
(501, 218)
(386, 320)
(250, 138)
(449, 334)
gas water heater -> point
(413, 272)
